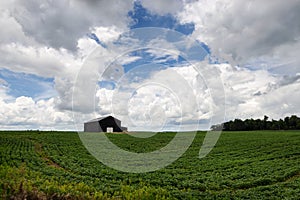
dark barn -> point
(104, 124)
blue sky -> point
(148, 62)
(144, 18)
(22, 84)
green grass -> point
(243, 165)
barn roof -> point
(101, 118)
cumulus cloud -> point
(183, 95)
(41, 61)
(25, 113)
(258, 93)
(59, 24)
(163, 7)
(241, 31)
(170, 98)
(49, 39)
(11, 31)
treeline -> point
(288, 123)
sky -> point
(155, 65)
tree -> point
(289, 123)
(293, 121)
(265, 122)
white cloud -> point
(62, 65)
(37, 34)
(258, 93)
(163, 7)
(25, 113)
(248, 94)
(11, 31)
(61, 23)
(99, 66)
(41, 61)
(167, 98)
(243, 30)
(152, 106)
(163, 50)
(108, 33)
(282, 102)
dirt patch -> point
(39, 150)
(292, 178)
(117, 133)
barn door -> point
(109, 129)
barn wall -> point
(92, 127)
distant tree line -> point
(288, 123)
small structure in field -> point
(104, 124)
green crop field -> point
(243, 165)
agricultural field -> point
(243, 165)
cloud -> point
(49, 39)
(11, 31)
(107, 33)
(100, 65)
(166, 99)
(258, 93)
(41, 61)
(25, 113)
(59, 64)
(163, 7)
(241, 31)
(60, 23)
(183, 95)
(282, 102)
